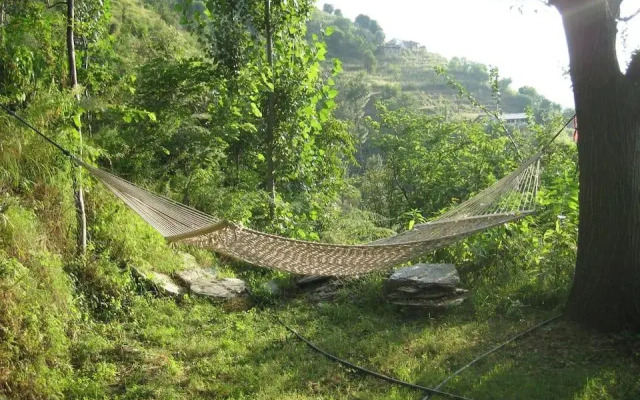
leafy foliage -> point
(426, 163)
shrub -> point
(37, 316)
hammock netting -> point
(509, 199)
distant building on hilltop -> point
(411, 45)
(391, 49)
(514, 119)
(396, 46)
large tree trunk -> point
(606, 289)
(77, 178)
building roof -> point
(514, 116)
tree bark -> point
(78, 194)
(606, 289)
(270, 178)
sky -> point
(524, 39)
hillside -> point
(403, 72)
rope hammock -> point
(509, 199)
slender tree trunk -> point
(606, 290)
(78, 194)
(71, 50)
(271, 180)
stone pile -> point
(431, 286)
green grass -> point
(194, 349)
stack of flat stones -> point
(429, 286)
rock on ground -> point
(189, 276)
(162, 282)
(222, 289)
(432, 286)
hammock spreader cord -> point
(546, 145)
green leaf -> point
(255, 110)
(260, 157)
(77, 121)
(411, 224)
(330, 104)
(329, 31)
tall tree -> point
(77, 179)
(606, 289)
(271, 116)
(280, 97)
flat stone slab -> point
(221, 289)
(424, 276)
(400, 295)
(189, 276)
(325, 291)
(162, 282)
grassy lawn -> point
(194, 349)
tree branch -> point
(630, 17)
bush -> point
(121, 235)
(37, 318)
(106, 288)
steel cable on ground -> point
(483, 355)
(431, 391)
